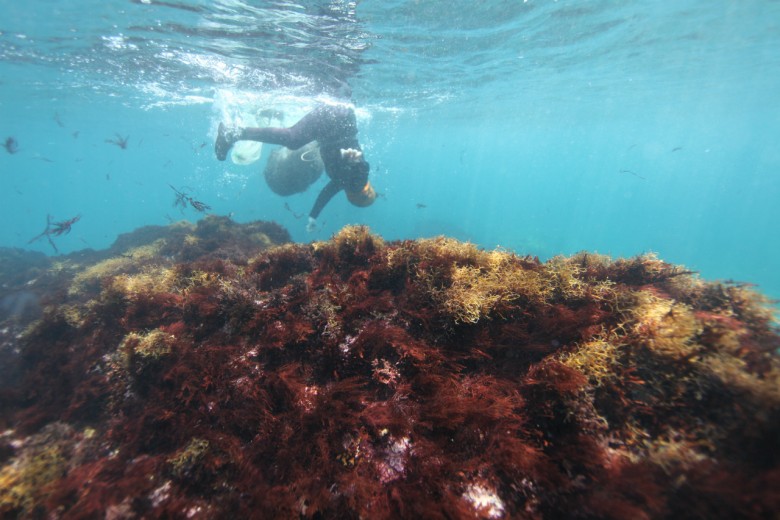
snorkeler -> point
(334, 127)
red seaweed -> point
(226, 375)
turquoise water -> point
(542, 127)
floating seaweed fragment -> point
(294, 214)
(198, 205)
(55, 229)
(11, 145)
(119, 141)
(182, 200)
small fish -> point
(632, 173)
(421, 205)
(58, 120)
(737, 283)
(11, 145)
(677, 148)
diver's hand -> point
(312, 225)
(351, 154)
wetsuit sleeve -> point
(327, 193)
(304, 131)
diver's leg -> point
(304, 131)
(283, 136)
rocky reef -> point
(220, 371)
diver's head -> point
(343, 91)
(338, 89)
(363, 197)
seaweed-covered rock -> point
(32, 283)
(358, 378)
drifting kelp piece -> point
(415, 379)
(55, 229)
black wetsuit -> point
(334, 128)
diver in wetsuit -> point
(334, 128)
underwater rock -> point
(31, 282)
(358, 378)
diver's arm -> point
(327, 193)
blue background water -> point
(542, 127)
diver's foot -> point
(225, 139)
